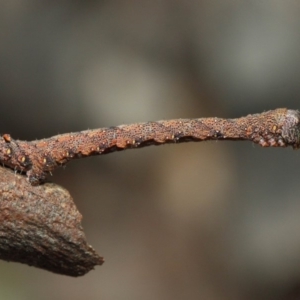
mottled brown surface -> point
(275, 128)
(40, 226)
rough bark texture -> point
(40, 226)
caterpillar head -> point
(291, 128)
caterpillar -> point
(274, 128)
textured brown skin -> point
(274, 128)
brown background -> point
(217, 220)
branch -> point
(40, 226)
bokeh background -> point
(215, 220)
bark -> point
(40, 226)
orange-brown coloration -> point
(6, 137)
(275, 128)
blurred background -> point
(215, 220)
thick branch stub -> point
(40, 226)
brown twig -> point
(40, 226)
